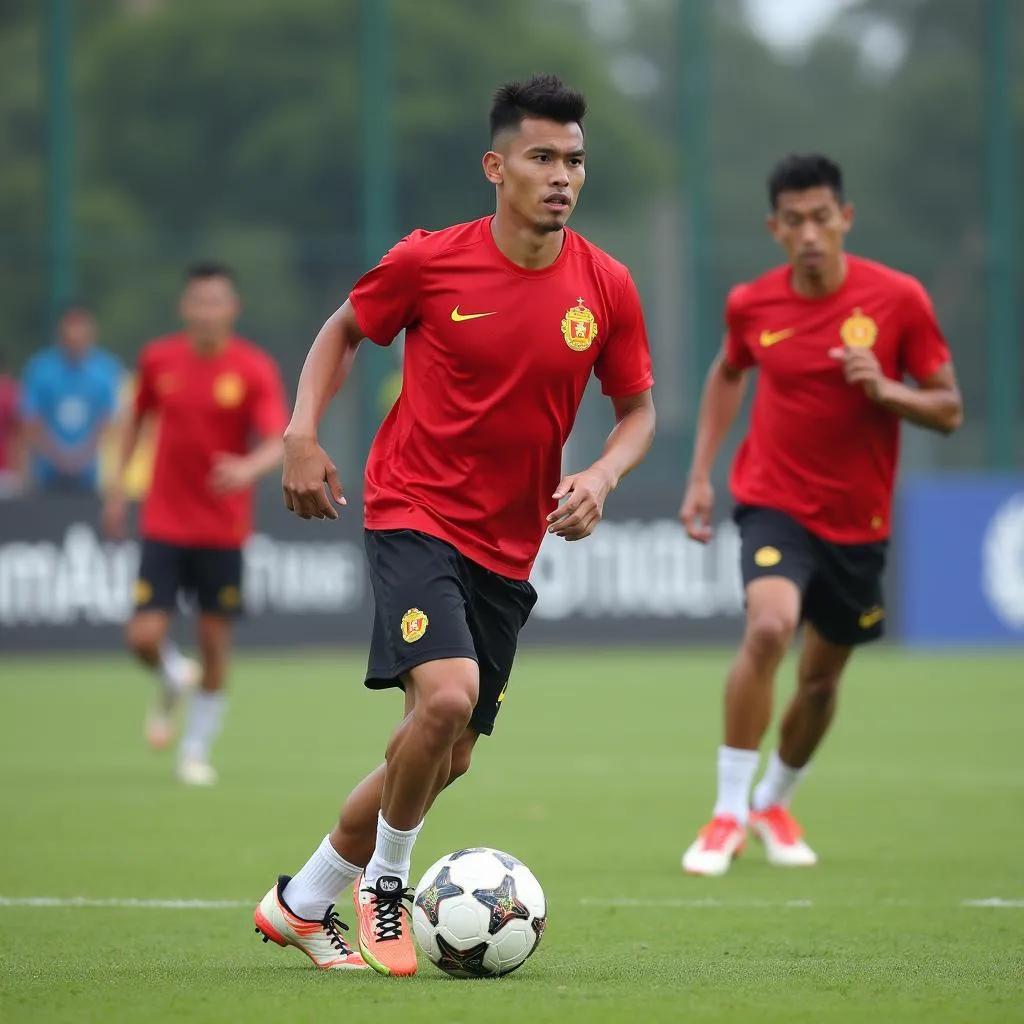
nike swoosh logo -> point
(769, 338)
(459, 317)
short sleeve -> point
(32, 391)
(386, 298)
(624, 364)
(269, 411)
(923, 347)
(145, 386)
(735, 349)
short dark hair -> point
(203, 270)
(545, 96)
(798, 172)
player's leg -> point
(215, 576)
(146, 635)
(776, 563)
(843, 609)
(299, 911)
(420, 642)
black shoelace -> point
(334, 926)
(387, 912)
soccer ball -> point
(479, 913)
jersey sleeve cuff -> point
(626, 390)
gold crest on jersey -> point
(229, 390)
(579, 328)
(858, 331)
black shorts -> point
(841, 584)
(431, 602)
(211, 577)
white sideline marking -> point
(65, 903)
(652, 904)
(84, 901)
(993, 902)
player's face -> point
(77, 332)
(539, 172)
(811, 227)
(209, 307)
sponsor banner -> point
(962, 560)
(63, 586)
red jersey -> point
(818, 448)
(206, 405)
(496, 361)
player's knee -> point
(447, 711)
(769, 633)
(143, 635)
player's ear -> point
(494, 167)
(847, 211)
(772, 223)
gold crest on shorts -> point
(767, 557)
(858, 331)
(229, 598)
(142, 592)
(228, 390)
(414, 625)
(579, 328)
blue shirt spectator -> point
(68, 395)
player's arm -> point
(935, 404)
(585, 492)
(720, 404)
(129, 424)
(307, 467)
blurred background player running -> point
(212, 392)
(832, 335)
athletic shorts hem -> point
(846, 638)
(378, 681)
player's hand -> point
(114, 517)
(307, 478)
(230, 473)
(583, 507)
(861, 366)
(696, 509)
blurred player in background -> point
(213, 393)
(68, 399)
(506, 319)
(833, 336)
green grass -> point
(599, 774)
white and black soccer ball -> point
(479, 913)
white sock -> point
(171, 667)
(319, 881)
(736, 770)
(393, 852)
(777, 783)
(205, 717)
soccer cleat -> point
(714, 848)
(321, 941)
(385, 928)
(196, 773)
(159, 727)
(783, 841)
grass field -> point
(599, 774)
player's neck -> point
(208, 346)
(523, 245)
(823, 285)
